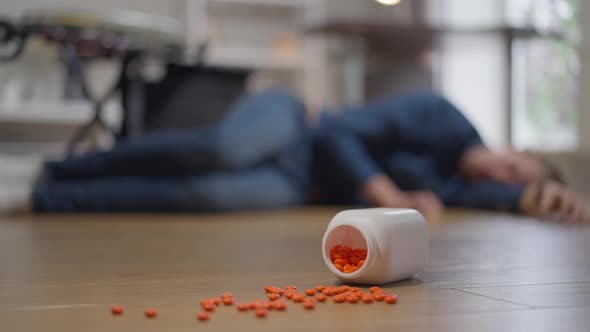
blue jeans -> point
(257, 157)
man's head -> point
(507, 166)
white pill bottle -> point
(396, 241)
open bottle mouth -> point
(346, 251)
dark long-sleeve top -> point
(416, 139)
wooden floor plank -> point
(575, 294)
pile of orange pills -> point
(308, 299)
(347, 259)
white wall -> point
(472, 66)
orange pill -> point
(228, 300)
(391, 299)
(289, 295)
(203, 316)
(344, 288)
(352, 299)
(339, 267)
(279, 305)
(260, 312)
(360, 263)
(339, 299)
(298, 297)
(378, 296)
(374, 289)
(273, 296)
(320, 288)
(366, 298)
(336, 255)
(226, 295)
(260, 304)
(268, 288)
(354, 289)
(328, 292)
(242, 306)
(150, 312)
(117, 310)
(277, 290)
(341, 262)
(321, 297)
(310, 292)
(309, 305)
(215, 300)
(208, 306)
(291, 287)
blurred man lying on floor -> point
(415, 151)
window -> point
(545, 76)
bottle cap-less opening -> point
(347, 236)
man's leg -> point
(258, 127)
(259, 188)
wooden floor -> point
(487, 272)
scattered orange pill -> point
(260, 312)
(215, 300)
(391, 299)
(339, 299)
(226, 295)
(208, 306)
(309, 305)
(374, 289)
(321, 297)
(278, 305)
(379, 296)
(289, 295)
(268, 288)
(291, 287)
(150, 312)
(281, 306)
(310, 292)
(258, 304)
(320, 288)
(366, 298)
(117, 310)
(328, 292)
(273, 296)
(228, 300)
(203, 316)
(242, 306)
(352, 299)
(298, 297)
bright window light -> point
(388, 2)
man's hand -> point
(381, 191)
(543, 199)
(426, 202)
